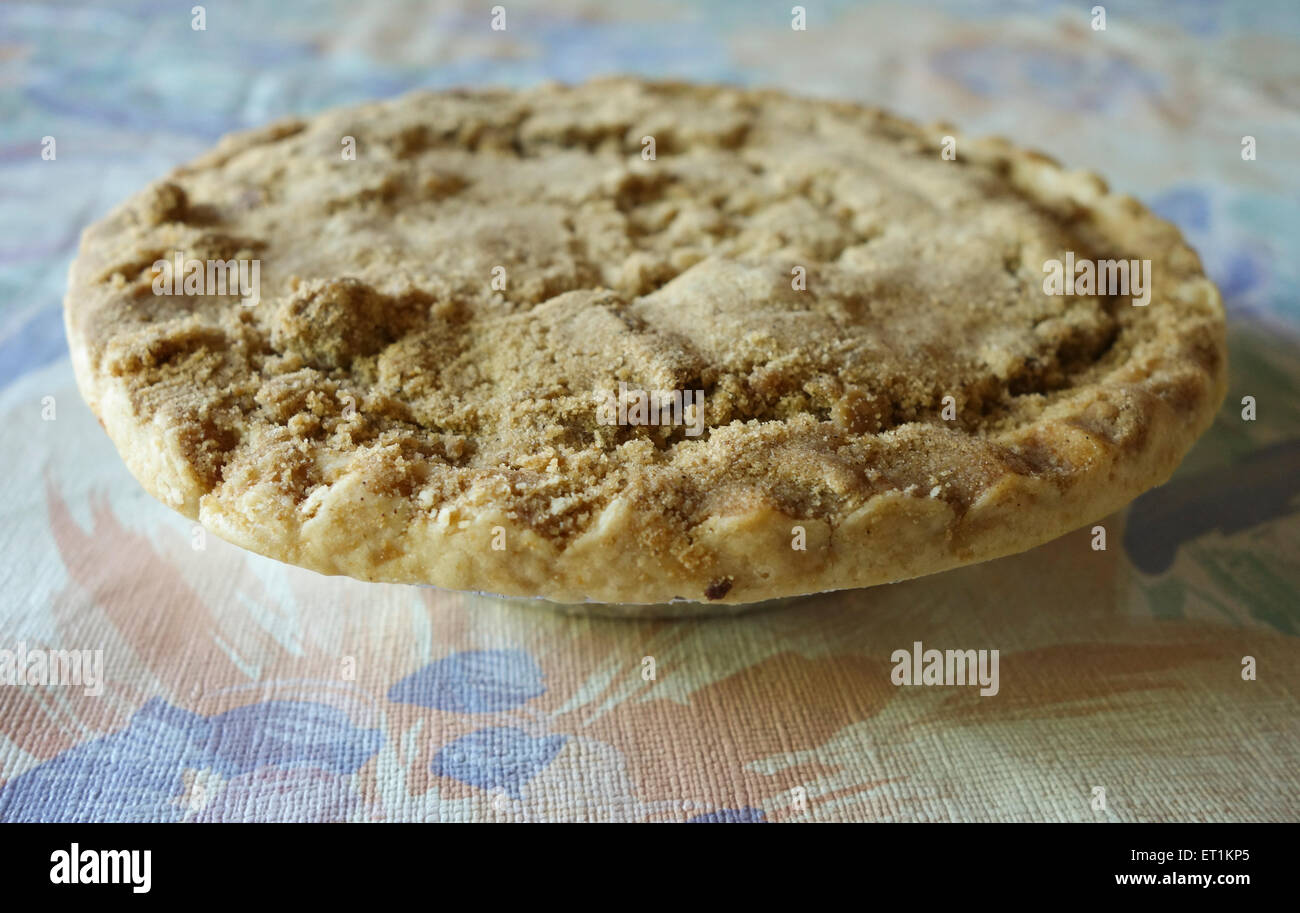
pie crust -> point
(415, 395)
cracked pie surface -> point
(443, 375)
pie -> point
(634, 342)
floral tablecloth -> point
(235, 688)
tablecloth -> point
(1154, 680)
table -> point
(234, 688)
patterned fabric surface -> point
(234, 688)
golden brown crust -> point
(385, 412)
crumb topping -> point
(448, 309)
